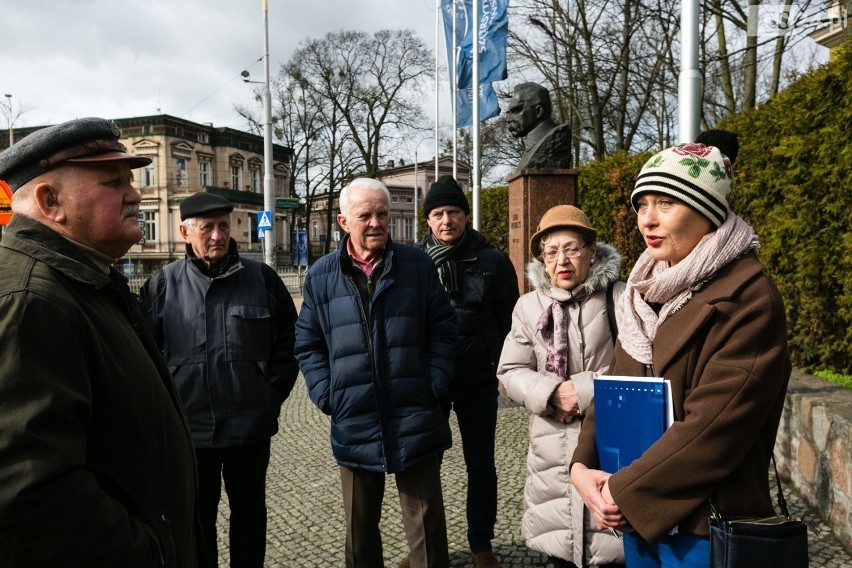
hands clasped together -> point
(593, 485)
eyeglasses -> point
(568, 252)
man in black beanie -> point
(483, 289)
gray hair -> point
(360, 183)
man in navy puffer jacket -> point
(375, 341)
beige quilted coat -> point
(555, 521)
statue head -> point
(530, 106)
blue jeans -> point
(682, 550)
(477, 417)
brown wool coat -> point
(725, 353)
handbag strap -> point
(782, 503)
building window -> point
(394, 199)
(392, 228)
(180, 177)
(409, 229)
(255, 180)
(315, 230)
(149, 175)
(409, 200)
(204, 173)
(236, 177)
(149, 225)
(203, 137)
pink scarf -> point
(653, 282)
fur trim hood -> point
(601, 273)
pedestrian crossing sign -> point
(264, 220)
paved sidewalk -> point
(306, 525)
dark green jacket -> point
(96, 462)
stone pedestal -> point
(531, 193)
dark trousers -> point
(243, 469)
(422, 504)
(477, 416)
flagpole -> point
(475, 118)
(454, 90)
(437, 88)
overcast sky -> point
(65, 59)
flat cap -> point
(204, 204)
(80, 140)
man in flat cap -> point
(226, 327)
(96, 461)
(483, 288)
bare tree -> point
(605, 61)
(374, 82)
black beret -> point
(80, 140)
(445, 191)
(204, 204)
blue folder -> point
(631, 414)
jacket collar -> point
(229, 263)
(42, 243)
(605, 270)
(671, 339)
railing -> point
(292, 276)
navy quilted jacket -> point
(383, 382)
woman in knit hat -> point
(699, 311)
(561, 338)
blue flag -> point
(493, 38)
(488, 105)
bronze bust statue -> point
(546, 144)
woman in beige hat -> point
(561, 338)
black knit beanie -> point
(445, 191)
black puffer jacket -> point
(488, 290)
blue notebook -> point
(631, 413)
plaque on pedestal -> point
(531, 193)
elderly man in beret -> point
(96, 462)
(226, 327)
(483, 288)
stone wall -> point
(814, 449)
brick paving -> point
(306, 525)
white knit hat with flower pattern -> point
(699, 175)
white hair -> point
(360, 183)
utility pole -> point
(268, 180)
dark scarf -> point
(445, 259)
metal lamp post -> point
(268, 179)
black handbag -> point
(776, 542)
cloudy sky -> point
(64, 59)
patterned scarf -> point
(444, 257)
(653, 282)
(553, 325)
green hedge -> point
(794, 186)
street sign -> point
(5, 203)
(264, 220)
(287, 202)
